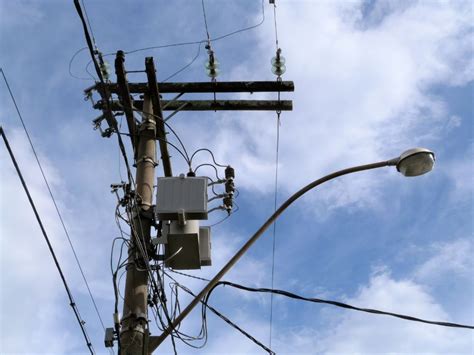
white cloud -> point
(351, 332)
(449, 260)
(362, 94)
(30, 285)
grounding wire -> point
(53, 200)
(72, 303)
(338, 304)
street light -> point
(412, 162)
(416, 161)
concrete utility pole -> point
(134, 324)
(134, 337)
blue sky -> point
(372, 79)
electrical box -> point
(205, 246)
(181, 198)
(188, 246)
(183, 251)
(109, 337)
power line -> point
(177, 44)
(88, 22)
(278, 123)
(277, 154)
(338, 304)
(72, 303)
(205, 20)
(53, 199)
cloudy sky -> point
(372, 78)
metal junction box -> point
(179, 197)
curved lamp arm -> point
(156, 341)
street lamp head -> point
(416, 161)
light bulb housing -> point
(415, 162)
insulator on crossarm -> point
(278, 64)
(212, 65)
(105, 70)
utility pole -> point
(132, 333)
(134, 325)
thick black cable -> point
(72, 303)
(88, 22)
(53, 200)
(90, 44)
(92, 51)
(337, 304)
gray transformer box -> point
(181, 195)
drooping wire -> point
(200, 41)
(53, 199)
(187, 65)
(212, 156)
(206, 306)
(339, 304)
(72, 303)
(70, 65)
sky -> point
(372, 79)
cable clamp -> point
(148, 160)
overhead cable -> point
(72, 303)
(338, 304)
(53, 200)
